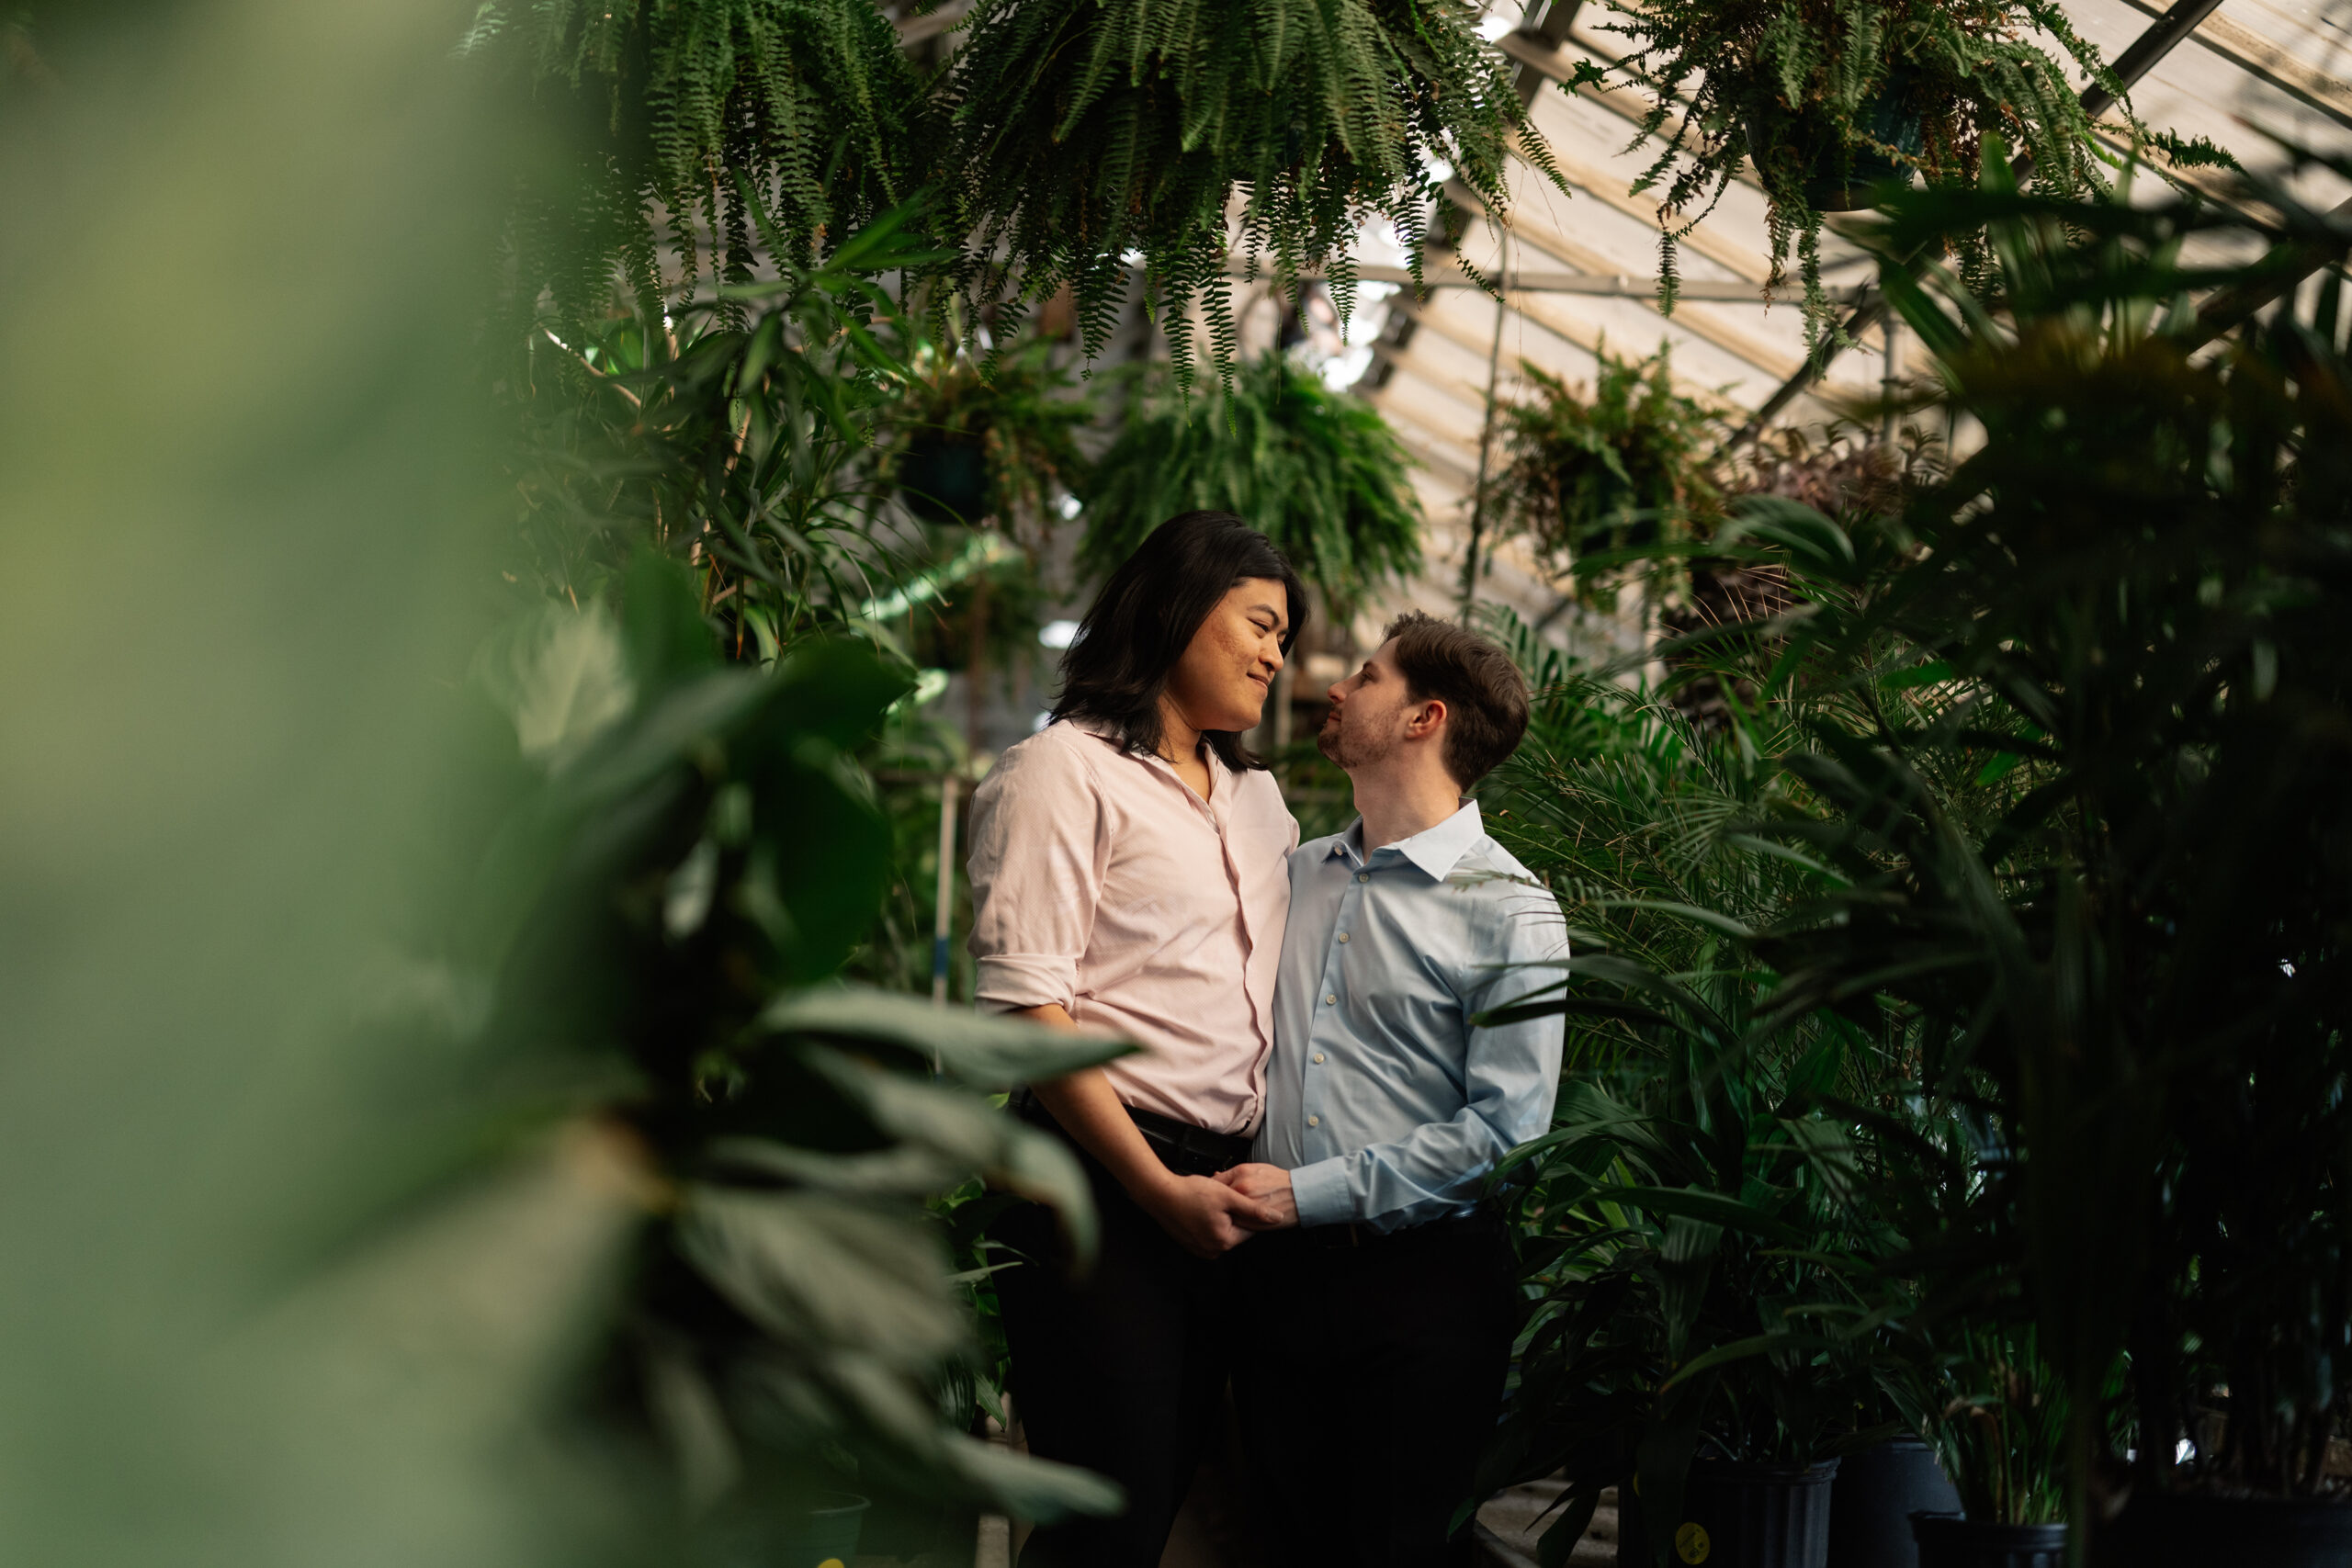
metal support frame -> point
(1607, 286)
(2229, 309)
(2134, 62)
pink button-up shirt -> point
(1101, 882)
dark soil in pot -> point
(1744, 1515)
(1877, 1491)
(2187, 1529)
(1948, 1541)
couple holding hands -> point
(1287, 1172)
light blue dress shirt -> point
(1382, 1102)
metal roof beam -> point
(1522, 280)
(1763, 356)
(2259, 58)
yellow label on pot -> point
(1691, 1544)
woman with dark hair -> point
(1127, 876)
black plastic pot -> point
(1834, 184)
(1946, 1541)
(943, 476)
(2175, 1529)
(1877, 1491)
(1745, 1516)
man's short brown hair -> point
(1484, 694)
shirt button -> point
(1318, 1058)
(1315, 1120)
(1363, 877)
(1344, 936)
(1331, 1001)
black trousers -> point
(1121, 1370)
(1369, 1379)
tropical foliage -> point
(742, 432)
(686, 855)
(2054, 848)
(1317, 471)
(1092, 134)
(991, 441)
(1589, 476)
(1825, 101)
(700, 137)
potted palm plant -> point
(2136, 964)
(2002, 1438)
(1694, 1229)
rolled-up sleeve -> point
(1037, 861)
(1510, 1075)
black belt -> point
(1183, 1148)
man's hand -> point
(1207, 1217)
(1270, 1184)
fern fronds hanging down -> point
(1092, 129)
(728, 128)
(1598, 477)
(1831, 96)
(1317, 472)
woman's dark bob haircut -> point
(1146, 615)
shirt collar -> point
(1436, 851)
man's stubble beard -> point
(1349, 750)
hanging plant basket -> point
(1837, 172)
(1833, 99)
(1097, 138)
(943, 476)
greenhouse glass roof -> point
(1580, 270)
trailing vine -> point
(1096, 134)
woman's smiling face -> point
(1222, 680)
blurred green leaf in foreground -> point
(418, 1133)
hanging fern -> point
(1317, 472)
(729, 129)
(1594, 477)
(1090, 130)
(1829, 97)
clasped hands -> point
(1213, 1214)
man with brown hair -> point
(1380, 1311)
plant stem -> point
(1486, 433)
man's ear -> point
(1427, 719)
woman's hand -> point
(1270, 1185)
(1207, 1217)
